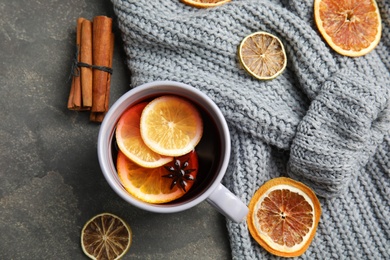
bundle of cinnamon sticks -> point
(91, 76)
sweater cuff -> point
(341, 129)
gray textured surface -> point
(50, 180)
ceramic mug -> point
(213, 152)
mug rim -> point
(107, 130)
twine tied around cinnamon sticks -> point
(77, 64)
(92, 67)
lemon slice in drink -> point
(158, 185)
(171, 125)
(128, 138)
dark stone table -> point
(50, 179)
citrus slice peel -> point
(283, 216)
(262, 55)
(158, 185)
(130, 142)
(204, 3)
(351, 28)
(106, 236)
(171, 125)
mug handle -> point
(228, 204)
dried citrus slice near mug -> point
(205, 3)
(158, 185)
(262, 55)
(351, 28)
(129, 140)
(171, 125)
(283, 216)
(106, 236)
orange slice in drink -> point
(128, 138)
(158, 185)
(351, 28)
(283, 217)
(262, 55)
(171, 126)
(205, 3)
(106, 236)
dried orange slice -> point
(106, 236)
(283, 216)
(171, 125)
(129, 140)
(262, 55)
(352, 28)
(158, 185)
(205, 3)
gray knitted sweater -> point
(324, 121)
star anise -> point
(179, 174)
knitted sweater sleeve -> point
(340, 131)
(348, 115)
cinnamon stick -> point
(71, 95)
(74, 101)
(102, 30)
(86, 57)
(99, 116)
(108, 84)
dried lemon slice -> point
(283, 216)
(106, 236)
(352, 28)
(262, 55)
(205, 3)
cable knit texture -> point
(324, 121)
